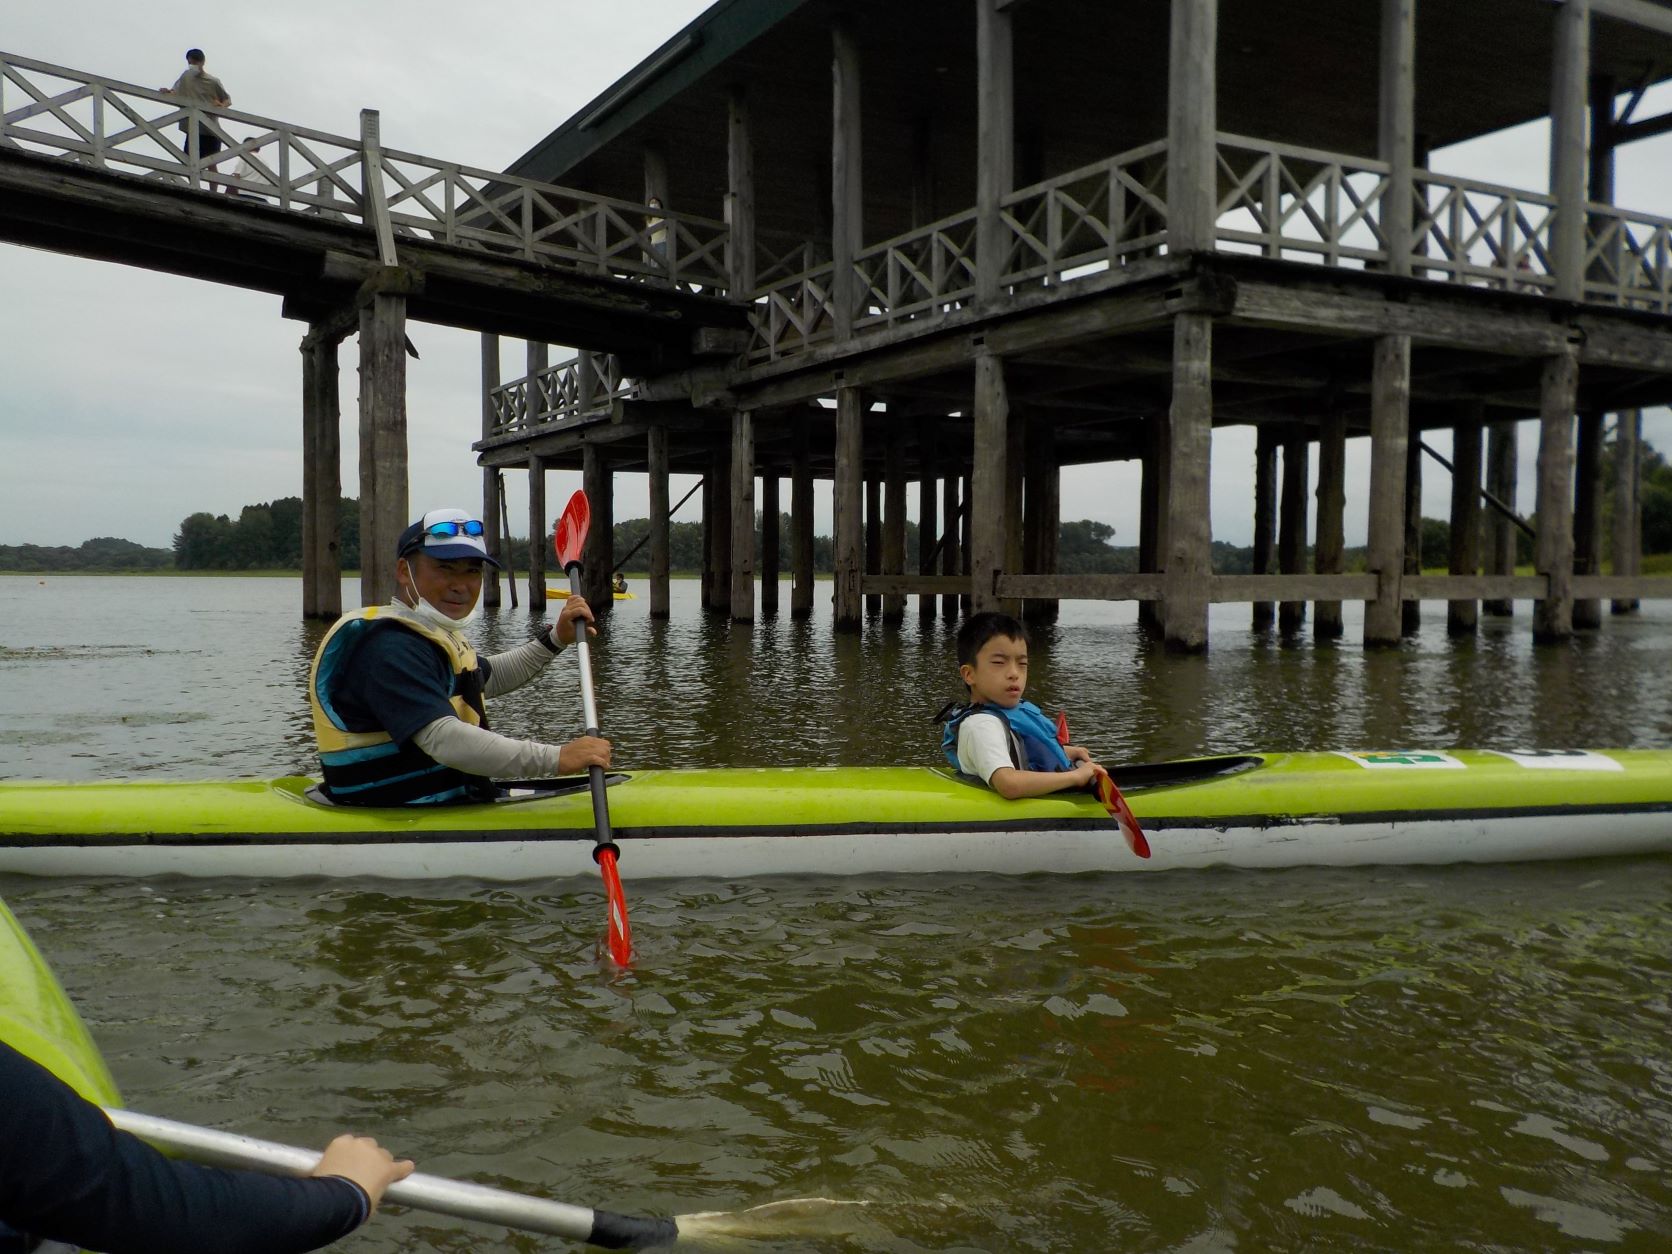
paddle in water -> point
(480, 1202)
(1110, 796)
(569, 540)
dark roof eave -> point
(707, 42)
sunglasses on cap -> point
(454, 527)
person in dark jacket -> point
(67, 1175)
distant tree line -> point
(264, 537)
(100, 553)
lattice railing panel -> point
(1628, 259)
(1087, 221)
(793, 314)
(1299, 204)
(926, 271)
(1482, 235)
(558, 393)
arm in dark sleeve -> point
(67, 1175)
(401, 680)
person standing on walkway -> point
(198, 86)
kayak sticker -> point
(1559, 759)
(1409, 760)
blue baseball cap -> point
(447, 535)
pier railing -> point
(588, 384)
(120, 128)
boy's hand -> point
(1085, 773)
(1077, 753)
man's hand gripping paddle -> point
(569, 540)
(1110, 796)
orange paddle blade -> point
(572, 529)
(1062, 727)
(1116, 805)
(621, 932)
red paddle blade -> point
(1116, 805)
(572, 529)
(621, 932)
(1062, 727)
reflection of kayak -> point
(1252, 810)
(37, 1019)
(626, 596)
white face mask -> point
(428, 613)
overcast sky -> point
(132, 399)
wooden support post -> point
(801, 523)
(598, 555)
(1192, 118)
(988, 481)
(538, 530)
(1569, 147)
(720, 534)
(995, 155)
(1329, 554)
(873, 538)
(740, 197)
(1015, 465)
(928, 508)
(770, 532)
(1152, 512)
(1553, 544)
(1266, 444)
(894, 514)
(1501, 474)
(383, 453)
(1041, 515)
(952, 552)
(1390, 402)
(707, 585)
(743, 517)
(657, 454)
(1291, 537)
(966, 490)
(1628, 503)
(490, 474)
(1396, 130)
(539, 358)
(1410, 612)
(849, 524)
(1463, 617)
(847, 231)
(1587, 515)
(1189, 527)
(505, 540)
(322, 484)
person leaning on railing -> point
(199, 86)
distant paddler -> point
(398, 692)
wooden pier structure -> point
(966, 250)
(1011, 236)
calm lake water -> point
(1453, 1058)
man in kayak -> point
(398, 692)
(995, 735)
(67, 1175)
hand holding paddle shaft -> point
(569, 540)
(1110, 796)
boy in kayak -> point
(67, 1175)
(996, 736)
(398, 692)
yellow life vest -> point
(369, 767)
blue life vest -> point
(1032, 736)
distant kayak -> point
(626, 596)
(1256, 810)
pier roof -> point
(1090, 81)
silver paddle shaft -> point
(422, 1192)
(589, 702)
